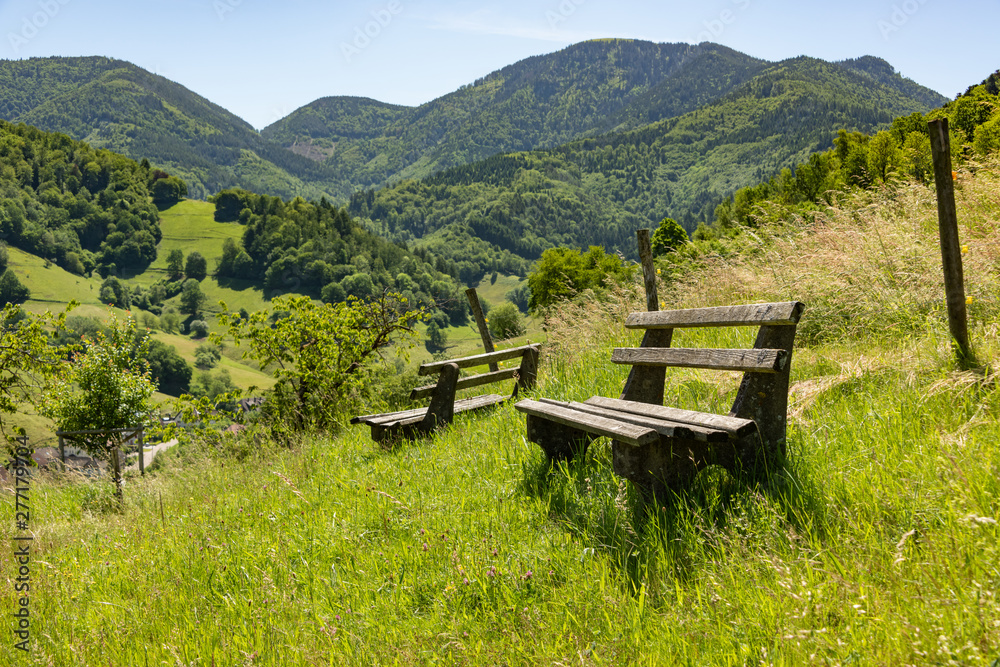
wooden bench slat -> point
(668, 428)
(755, 360)
(756, 314)
(621, 431)
(465, 383)
(734, 426)
(476, 359)
(405, 416)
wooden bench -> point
(443, 406)
(661, 448)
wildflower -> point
(657, 272)
(954, 175)
(965, 249)
(425, 546)
(969, 299)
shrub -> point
(506, 322)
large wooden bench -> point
(443, 406)
(661, 448)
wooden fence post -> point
(484, 331)
(951, 249)
(648, 271)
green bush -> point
(505, 321)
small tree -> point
(28, 359)
(196, 266)
(175, 263)
(198, 328)
(437, 338)
(207, 355)
(320, 352)
(668, 237)
(108, 387)
(11, 289)
(506, 321)
(192, 297)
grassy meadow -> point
(878, 544)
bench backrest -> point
(525, 373)
(763, 393)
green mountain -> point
(507, 209)
(539, 102)
(115, 105)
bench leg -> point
(667, 465)
(559, 442)
(441, 410)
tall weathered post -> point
(648, 270)
(484, 331)
(645, 383)
(951, 249)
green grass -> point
(879, 544)
(52, 287)
(190, 226)
(242, 375)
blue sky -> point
(262, 60)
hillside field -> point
(877, 544)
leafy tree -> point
(175, 263)
(168, 191)
(213, 385)
(506, 321)
(227, 263)
(4, 256)
(196, 266)
(563, 272)
(11, 288)
(437, 338)
(668, 237)
(108, 386)
(321, 353)
(168, 369)
(884, 155)
(170, 321)
(520, 296)
(198, 328)
(207, 355)
(115, 293)
(192, 298)
(29, 357)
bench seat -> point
(443, 405)
(658, 447)
(405, 417)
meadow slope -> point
(879, 543)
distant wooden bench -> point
(661, 448)
(443, 406)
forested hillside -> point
(298, 246)
(859, 160)
(505, 210)
(538, 102)
(74, 205)
(116, 105)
